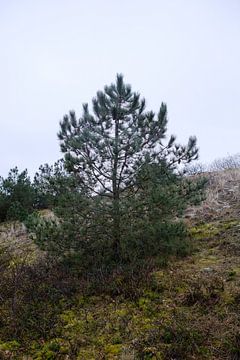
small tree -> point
(17, 195)
(107, 149)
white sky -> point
(55, 55)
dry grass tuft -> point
(222, 197)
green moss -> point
(151, 353)
(152, 295)
(236, 271)
(10, 345)
(88, 354)
(122, 312)
(209, 230)
(50, 350)
(208, 261)
(204, 231)
(113, 349)
(117, 339)
(181, 289)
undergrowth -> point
(180, 308)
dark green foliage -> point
(109, 148)
(152, 218)
(51, 183)
(123, 194)
(131, 190)
(17, 196)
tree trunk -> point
(116, 210)
(116, 230)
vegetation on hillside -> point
(111, 253)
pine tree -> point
(108, 148)
(52, 183)
(17, 195)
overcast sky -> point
(55, 55)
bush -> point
(30, 297)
